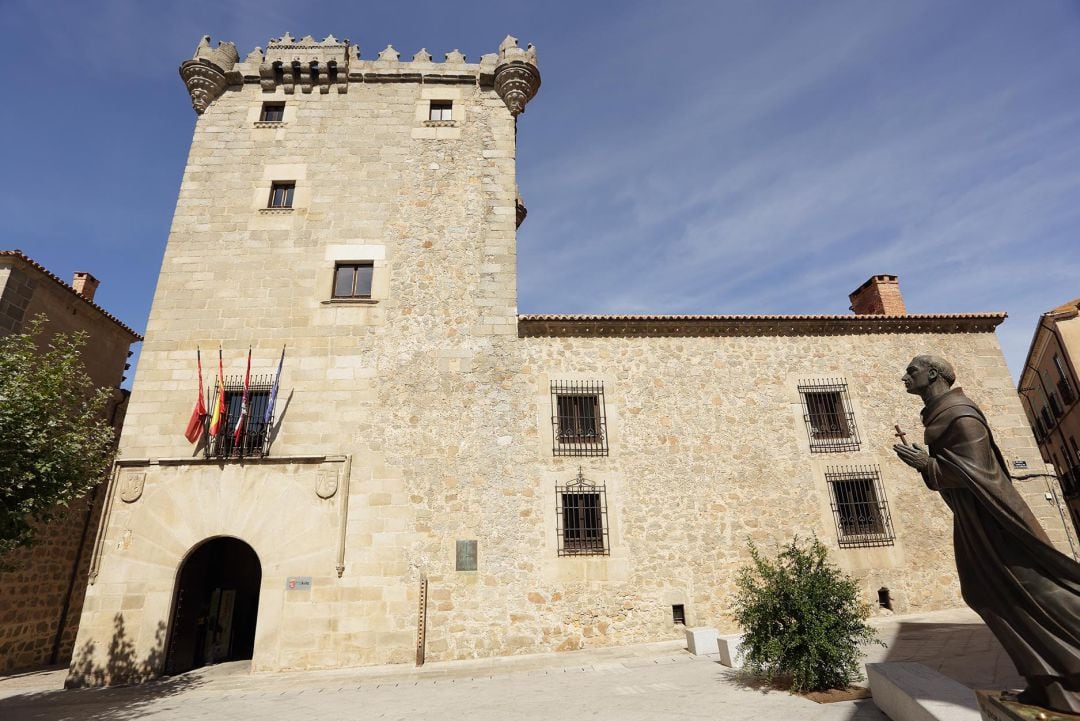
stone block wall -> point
(41, 592)
(40, 582)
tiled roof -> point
(49, 274)
(1071, 307)
(739, 325)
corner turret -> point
(517, 78)
(207, 74)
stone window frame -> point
(429, 129)
(861, 509)
(357, 253)
(288, 115)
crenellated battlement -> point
(307, 64)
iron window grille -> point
(859, 507)
(281, 195)
(254, 440)
(830, 423)
(441, 110)
(581, 517)
(352, 280)
(578, 418)
(272, 113)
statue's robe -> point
(1027, 592)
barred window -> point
(830, 423)
(578, 423)
(255, 437)
(581, 515)
(859, 506)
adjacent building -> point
(428, 474)
(41, 595)
(1048, 389)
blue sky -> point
(689, 157)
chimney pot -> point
(85, 284)
(880, 295)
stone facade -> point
(1048, 388)
(41, 594)
(420, 415)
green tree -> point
(802, 618)
(55, 440)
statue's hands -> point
(914, 455)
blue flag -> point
(273, 390)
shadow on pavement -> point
(966, 652)
(119, 669)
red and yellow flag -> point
(217, 420)
(198, 414)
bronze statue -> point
(1026, 591)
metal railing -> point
(578, 419)
(581, 518)
(254, 440)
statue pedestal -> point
(998, 706)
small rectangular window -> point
(678, 614)
(441, 110)
(581, 515)
(859, 507)
(281, 195)
(352, 280)
(577, 418)
(830, 423)
(272, 112)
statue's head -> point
(924, 371)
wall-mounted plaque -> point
(298, 583)
(466, 556)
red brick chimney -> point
(85, 284)
(878, 296)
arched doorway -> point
(214, 606)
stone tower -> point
(360, 213)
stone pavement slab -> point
(650, 681)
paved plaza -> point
(651, 681)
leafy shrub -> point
(802, 618)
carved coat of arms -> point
(131, 486)
(326, 484)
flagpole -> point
(271, 402)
